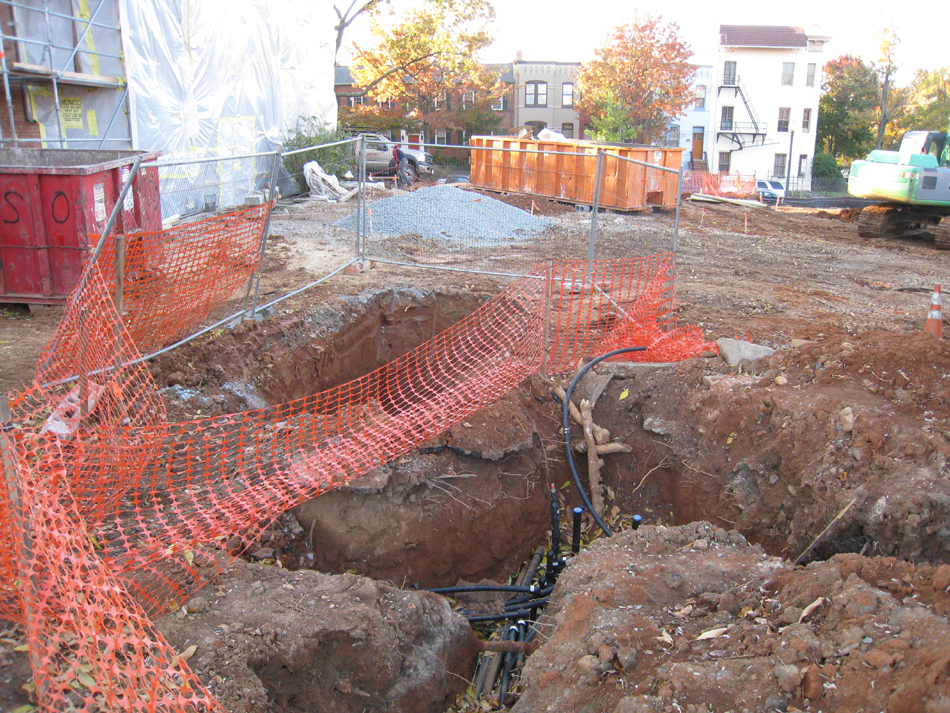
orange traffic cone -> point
(934, 320)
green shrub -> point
(311, 131)
(825, 172)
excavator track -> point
(942, 234)
(874, 222)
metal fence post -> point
(598, 177)
(14, 493)
(260, 264)
(676, 222)
(361, 203)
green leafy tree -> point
(929, 106)
(891, 99)
(637, 82)
(427, 57)
(846, 108)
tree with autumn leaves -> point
(425, 65)
(638, 82)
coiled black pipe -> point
(566, 425)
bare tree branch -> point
(346, 19)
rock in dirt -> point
(859, 648)
(305, 641)
(734, 351)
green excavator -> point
(913, 184)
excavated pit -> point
(817, 450)
(709, 443)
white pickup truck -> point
(379, 157)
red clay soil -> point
(834, 447)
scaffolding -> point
(68, 65)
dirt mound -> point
(694, 618)
(780, 449)
(266, 639)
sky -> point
(557, 30)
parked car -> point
(379, 157)
(770, 191)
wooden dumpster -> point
(566, 170)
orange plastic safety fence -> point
(128, 511)
(92, 647)
(726, 185)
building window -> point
(806, 121)
(567, 95)
(778, 170)
(536, 126)
(700, 102)
(784, 117)
(788, 73)
(725, 159)
(441, 137)
(468, 99)
(810, 76)
(356, 101)
(729, 74)
(726, 123)
(463, 138)
(499, 104)
(802, 165)
(443, 101)
(567, 130)
(536, 94)
(673, 135)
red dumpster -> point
(51, 201)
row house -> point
(546, 95)
(755, 110)
(764, 102)
(539, 95)
(446, 134)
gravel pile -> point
(451, 215)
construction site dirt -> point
(795, 546)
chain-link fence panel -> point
(198, 188)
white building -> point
(690, 130)
(763, 103)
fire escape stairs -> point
(742, 134)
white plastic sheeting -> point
(220, 77)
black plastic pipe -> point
(637, 521)
(576, 534)
(521, 600)
(520, 614)
(566, 425)
(555, 524)
(485, 588)
(517, 632)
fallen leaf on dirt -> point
(664, 637)
(810, 608)
(188, 653)
(624, 394)
(712, 633)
